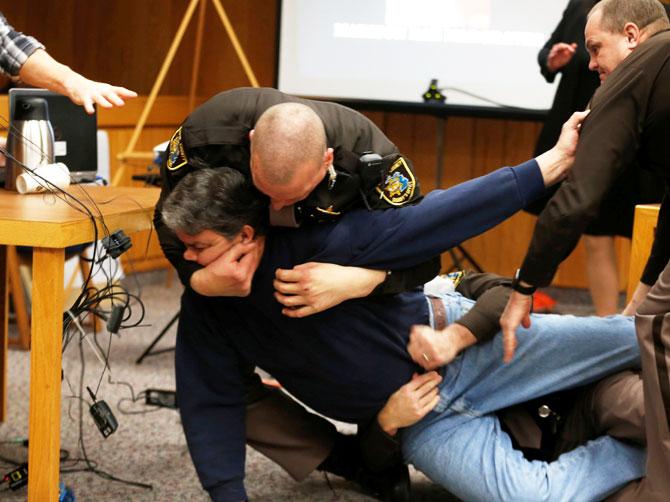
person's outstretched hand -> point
(86, 93)
(556, 163)
(41, 70)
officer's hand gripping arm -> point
(314, 287)
(431, 348)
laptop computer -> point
(75, 132)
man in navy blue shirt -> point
(346, 362)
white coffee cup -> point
(36, 181)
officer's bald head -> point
(289, 156)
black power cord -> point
(89, 299)
(435, 94)
(91, 467)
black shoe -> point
(390, 485)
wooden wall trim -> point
(168, 111)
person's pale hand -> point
(314, 287)
(430, 348)
(86, 93)
(517, 312)
(410, 403)
(560, 55)
(555, 164)
(638, 297)
(569, 138)
(231, 273)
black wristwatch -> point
(516, 285)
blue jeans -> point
(460, 444)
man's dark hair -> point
(219, 199)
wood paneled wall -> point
(474, 147)
(125, 41)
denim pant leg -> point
(476, 461)
(557, 352)
(460, 444)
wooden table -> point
(49, 225)
(644, 227)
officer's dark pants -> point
(286, 432)
(613, 406)
(652, 322)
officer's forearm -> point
(554, 166)
(206, 283)
(483, 319)
(202, 283)
(363, 282)
(399, 281)
(460, 337)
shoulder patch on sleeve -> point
(176, 156)
(443, 283)
(456, 277)
(399, 184)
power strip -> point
(164, 398)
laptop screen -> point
(75, 132)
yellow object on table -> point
(644, 228)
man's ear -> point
(251, 134)
(248, 233)
(633, 35)
(328, 157)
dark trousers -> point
(286, 433)
(652, 322)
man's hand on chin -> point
(231, 273)
(517, 312)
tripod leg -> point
(147, 351)
(458, 262)
(455, 261)
(469, 257)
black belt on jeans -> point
(439, 313)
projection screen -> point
(483, 52)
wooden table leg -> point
(4, 314)
(45, 375)
(18, 299)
